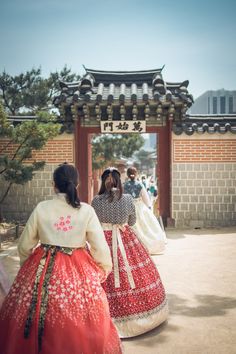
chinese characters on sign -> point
(124, 126)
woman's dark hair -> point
(111, 183)
(66, 178)
(131, 173)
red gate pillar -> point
(83, 161)
(164, 163)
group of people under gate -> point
(86, 278)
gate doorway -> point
(123, 151)
(83, 160)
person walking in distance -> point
(147, 227)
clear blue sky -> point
(195, 40)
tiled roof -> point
(129, 88)
(206, 123)
(127, 77)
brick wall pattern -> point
(204, 150)
(21, 200)
(55, 151)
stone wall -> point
(203, 188)
(204, 180)
(21, 200)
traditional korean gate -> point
(104, 101)
(84, 163)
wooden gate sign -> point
(123, 126)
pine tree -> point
(24, 137)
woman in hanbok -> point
(147, 227)
(134, 289)
(56, 303)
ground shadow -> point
(174, 234)
(153, 337)
(207, 305)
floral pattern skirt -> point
(63, 310)
(139, 305)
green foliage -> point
(110, 147)
(53, 81)
(25, 137)
(5, 127)
(144, 160)
(19, 91)
(17, 173)
(29, 92)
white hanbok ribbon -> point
(117, 241)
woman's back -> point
(134, 289)
(56, 300)
(147, 227)
(118, 211)
(57, 222)
(133, 188)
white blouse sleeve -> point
(29, 237)
(145, 197)
(100, 250)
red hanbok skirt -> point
(64, 313)
(137, 301)
(4, 285)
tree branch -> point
(6, 101)
(6, 146)
(20, 146)
(6, 193)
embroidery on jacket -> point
(64, 223)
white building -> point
(215, 102)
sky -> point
(195, 40)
